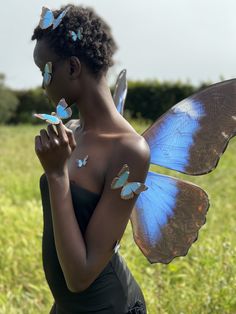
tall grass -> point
(202, 282)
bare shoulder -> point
(135, 146)
(133, 150)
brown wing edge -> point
(167, 258)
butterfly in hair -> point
(47, 18)
(62, 112)
(76, 35)
(129, 189)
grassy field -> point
(202, 282)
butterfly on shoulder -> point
(129, 189)
(47, 18)
(62, 112)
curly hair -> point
(95, 48)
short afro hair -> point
(95, 48)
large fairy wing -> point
(193, 134)
(48, 118)
(46, 18)
(167, 216)
(120, 92)
(63, 111)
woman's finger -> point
(62, 133)
(71, 138)
(53, 136)
(44, 138)
(38, 144)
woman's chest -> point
(88, 164)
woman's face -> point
(60, 84)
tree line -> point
(145, 99)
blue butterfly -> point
(128, 188)
(47, 18)
(189, 138)
(47, 74)
(62, 112)
(82, 162)
(76, 35)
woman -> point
(84, 217)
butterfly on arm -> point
(129, 189)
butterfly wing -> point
(166, 218)
(48, 67)
(73, 35)
(121, 178)
(46, 18)
(58, 20)
(48, 118)
(63, 111)
(47, 75)
(79, 33)
(120, 92)
(132, 188)
(193, 134)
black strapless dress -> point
(114, 291)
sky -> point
(187, 40)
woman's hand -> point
(54, 148)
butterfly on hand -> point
(47, 18)
(129, 189)
(62, 112)
(189, 138)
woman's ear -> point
(75, 67)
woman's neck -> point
(96, 107)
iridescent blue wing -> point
(63, 111)
(48, 118)
(73, 35)
(46, 18)
(120, 92)
(58, 20)
(131, 188)
(121, 178)
(192, 135)
(166, 218)
(79, 33)
(47, 75)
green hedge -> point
(151, 99)
(146, 100)
(30, 101)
